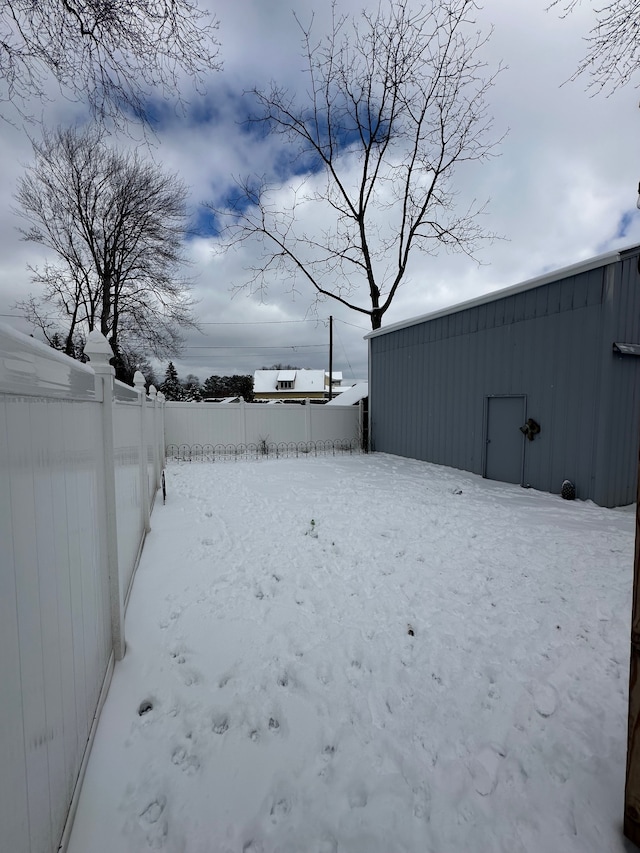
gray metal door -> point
(505, 443)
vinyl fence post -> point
(162, 448)
(99, 352)
(155, 438)
(243, 424)
(307, 421)
(138, 382)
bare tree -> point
(613, 48)
(116, 224)
(115, 53)
(394, 104)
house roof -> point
(286, 375)
(304, 381)
(349, 396)
(554, 275)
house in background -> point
(294, 384)
(533, 385)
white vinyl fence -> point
(233, 424)
(81, 459)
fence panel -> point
(57, 629)
(335, 422)
(259, 423)
(126, 432)
(54, 607)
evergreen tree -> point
(171, 387)
(229, 386)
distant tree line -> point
(190, 390)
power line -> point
(353, 325)
(224, 357)
(253, 322)
(251, 348)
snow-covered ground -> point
(366, 654)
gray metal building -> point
(454, 387)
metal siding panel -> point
(530, 303)
(452, 390)
(566, 294)
(594, 291)
(403, 391)
(14, 818)
(419, 393)
(563, 457)
(618, 451)
(473, 422)
(540, 385)
(554, 293)
(482, 317)
(519, 306)
(542, 300)
(435, 398)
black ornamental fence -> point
(260, 451)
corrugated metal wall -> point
(620, 392)
(552, 343)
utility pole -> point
(331, 357)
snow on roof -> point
(530, 284)
(287, 375)
(304, 381)
(349, 396)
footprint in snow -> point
(484, 770)
(187, 762)
(280, 808)
(421, 802)
(220, 723)
(145, 707)
(191, 676)
(545, 699)
(151, 820)
(171, 619)
(283, 679)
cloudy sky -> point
(563, 189)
